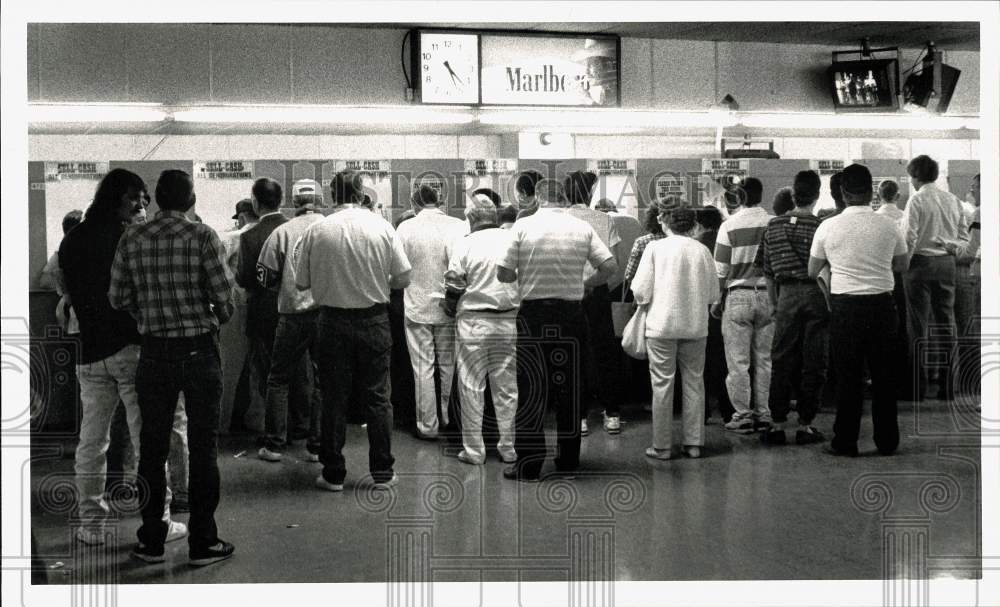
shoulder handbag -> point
(634, 335)
(621, 312)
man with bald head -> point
(547, 254)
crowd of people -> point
(513, 307)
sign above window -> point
(530, 69)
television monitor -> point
(919, 86)
(864, 86)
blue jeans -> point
(168, 366)
(292, 356)
(800, 334)
(863, 330)
(353, 356)
(748, 328)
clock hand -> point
(454, 76)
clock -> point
(449, 67)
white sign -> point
(496, 166)
(671, 185)
(224, 169)
(719, 167)
(827, 167)
(60, 171)
(542, 70)
(611, 166)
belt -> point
(490, 311)
(369, 312)
(797, 281)
(867, 298)
(197, 341)
(748, 287)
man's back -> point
(859, 244)
(427, 240)
(550, 250)
(628, 230)
(736, 247)
(932, 214)
(276, 264)
(348, 257)
(474, 265)
(171, 271)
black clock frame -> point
(415, 56)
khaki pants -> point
(429, 344)
(665, 357)
(487, 348)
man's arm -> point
(271, 261)
(506, 275)
(604, 273)
(900, 263)
(217, 280)
(303, 249)
(911, 224)
(121, 292)
(400, 281)
(399, 272)
(816, 266)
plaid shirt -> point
(635, 256)
(784, 250)
(169, 273)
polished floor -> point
(744, 511)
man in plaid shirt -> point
(171, 275)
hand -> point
(716, 310)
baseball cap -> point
(244, 206)
(856, 179)
(306, 187)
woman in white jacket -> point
(676, 280)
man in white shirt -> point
(350, 261)
(547, 254)
(932, 216)
(862, 250)
(427, 240)
(888, 194)
(487, 330)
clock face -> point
(449, 68)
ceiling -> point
(951, 35)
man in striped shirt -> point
(547, 255)
(801, 316)
(747, 326)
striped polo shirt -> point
(549, 250)
(784, 252)
(736, 247)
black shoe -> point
(773, 436)
(179, 506)
(808, 437)
(831, 450)
(148, 553)
(759, 426)
(512, 473)
(212, 554)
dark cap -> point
(244, 206)
(856, 179)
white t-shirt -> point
(473, 267)
(859, 244)
(428, 239)
(348, 258)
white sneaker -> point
(91, 536)
(311, 457)
(584, 430)
(386, 485)
(467, 458)
(508, 456)
(177, 530)
(613, 424)
(692, 451)
(326, 485)
(268, 456)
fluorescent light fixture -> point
(316, 114)
(868, 122)
(606, 119)
(95, 112)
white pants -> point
(487, 347)
(429, 344)
(102, 384)
(665, 356)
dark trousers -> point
(549, 353)
(168, 366)
(930, 298)
(863, 330)
(800, 334)
(292, 359)
(967, 319)
(353, 355)
(404, 405)
(716, 371)
(601, 354)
